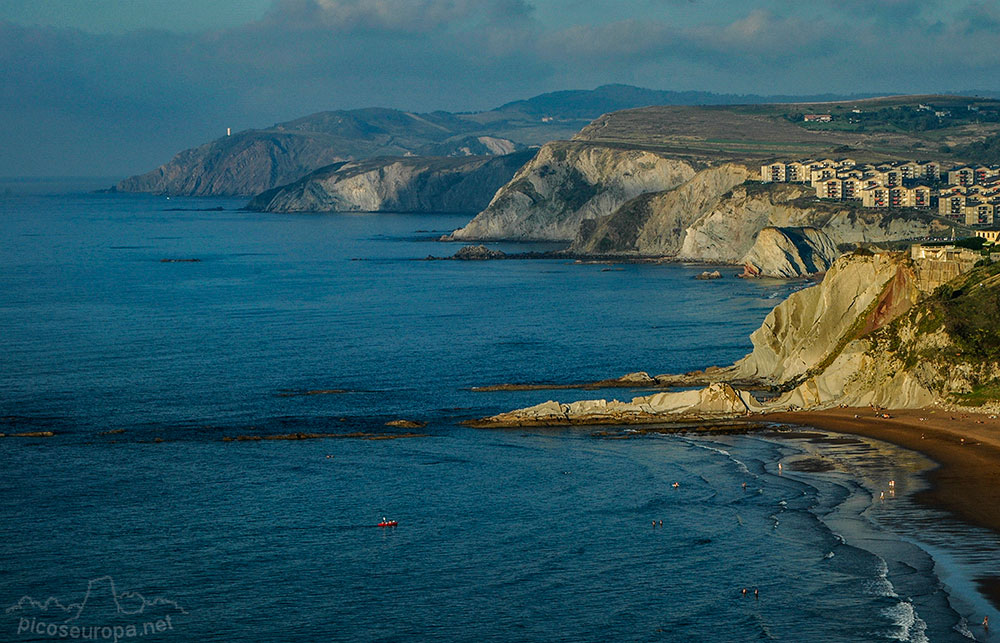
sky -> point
(117, 87)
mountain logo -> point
(104, 613)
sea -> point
(156, 338)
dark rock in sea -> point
(180, 260)
(28, 434)
(317, 391)
(406, 424)
(478, 253)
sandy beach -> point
(966, 446)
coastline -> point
(966, 482)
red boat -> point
(388, 523)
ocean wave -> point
(739, 463)
(881, 585)
(907, 626)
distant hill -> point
(253, 161)
(611, 98)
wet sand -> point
(966, 446)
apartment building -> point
(972, 198)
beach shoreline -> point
(964, 446)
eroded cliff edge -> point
(568, 182)
(626, 202)
(880, 329)
(396, 184)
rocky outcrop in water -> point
(567, 183)
(716, 400)
(409, 184)
(478, 253)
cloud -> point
(392, 16)
(136, 97)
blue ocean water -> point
(142, 361)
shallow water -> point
(528, 535)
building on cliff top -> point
(992, 235)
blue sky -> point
(118, 86)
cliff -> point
(804, 330)
(945, 349)
(717, 217)
(656, 223)
(239, 165)
(790, 252)
(628, 202)
(408, 184)
(567, 183)
(867, 334)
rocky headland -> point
(881, 329)
(683, 184)
(639, 204)
(567, 183)
(253, 161)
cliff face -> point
(866, 335)
(239, 165)
(717, 217)
(807, 328)
(656, 224)
(790, 252)
(567, 183)
(945, 348)
(409, 184)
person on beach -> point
(986, 622)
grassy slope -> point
(967, 309)
(757, 132)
